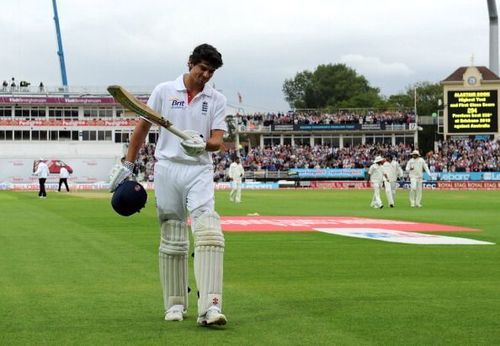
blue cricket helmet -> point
(129, 198)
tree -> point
(331, 86)
(427, 94)
(296, 89)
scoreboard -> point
(472, 111)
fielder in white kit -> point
(393, 171)
(184, 186)
(415, 168)
(377, 177)
(236, 174)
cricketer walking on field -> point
(236, 174)
(415, 168)
(376, 174)
(184, 186)
(392, 171)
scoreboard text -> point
(472, 111)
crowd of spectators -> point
(465, 156)
(451, 156)
(316, 117)
(145, 162)
(285, 157)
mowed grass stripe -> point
(73, 272)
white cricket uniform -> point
(184, 186)
(376, 179)
(184, 183)
(236, 173)
(415, 169)
(393, 171)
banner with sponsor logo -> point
(341, 173)
(128, 122)
(251, 185)
(464, 176)
(32, 100)
(469, 185)
(339, 184)
(342, 127)
(404, 237)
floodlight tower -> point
(492, 11)
(60, 46)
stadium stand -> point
(450, 156)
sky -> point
(139, 44)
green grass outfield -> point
(72, 272)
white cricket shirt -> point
(416, 167)
(206, 112)
(236, 172)
(376, 173)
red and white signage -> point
(310, 223)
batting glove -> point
(195, 145)
(120, 173)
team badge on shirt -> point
(204, 108)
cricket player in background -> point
(393, 171)
(377, 177)
(236, 174)
(184, 186)
(415, 169)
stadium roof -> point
(457, 76)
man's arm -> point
(427, 170)
(215, 140)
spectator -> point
(13, 84)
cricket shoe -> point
(212, 317)
(175, 313)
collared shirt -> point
(205, 113)
(416, 168)
(376, 173)
(63, 173)
(393, 170)
(236, 171)
(42, 170)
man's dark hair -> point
(206, 53)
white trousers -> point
(376, 200)
(416, 187)
(182, 188)
(390, 191)
(235, 194)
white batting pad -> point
(208, 260)
(173, 259)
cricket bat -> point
(131, 103)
